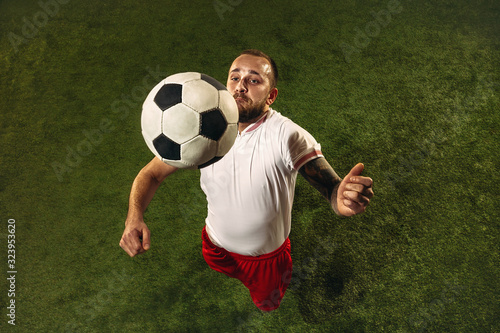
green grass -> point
(417, 103)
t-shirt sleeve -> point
(298, 146)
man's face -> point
(249, 82)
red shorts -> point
(266, 276)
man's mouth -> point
(240, 98)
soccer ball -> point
(189, 120)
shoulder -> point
(296, 145)
(282, 125)
(286, 128)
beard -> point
(248, 110)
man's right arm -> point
(143, 189)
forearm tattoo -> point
(321, 176)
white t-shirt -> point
(250, 190)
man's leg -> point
(267, 277)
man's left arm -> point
(348, 196)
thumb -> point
(356, 171)
(146, 239)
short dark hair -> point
(274, 68)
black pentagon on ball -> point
(167, 148)
(213, 124)
(216, 84)
(168, 96)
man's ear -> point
(272, 96)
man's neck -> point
(243, 126)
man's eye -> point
(234, 79)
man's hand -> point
(353, 193)
(143, 189)
(131, 238)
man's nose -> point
(241, 87)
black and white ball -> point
(189, 120)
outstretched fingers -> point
(356, 207)
(359, 189)
(357, 197)
(365, 181)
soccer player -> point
(250, 190)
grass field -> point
(410, 88)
